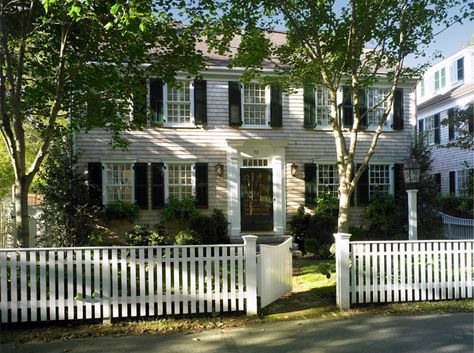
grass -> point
(313, 296)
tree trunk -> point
(21, 212)
(344, 203)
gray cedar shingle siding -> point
(208, 144)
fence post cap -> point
(250, 238)
(342, 236)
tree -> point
(327, 45)
(68, 218)
(77, 64)
(461, 123)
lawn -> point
(313, 296)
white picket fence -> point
(457, 228)
(111, 282)
(401, 271)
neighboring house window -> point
(443, 77)
(379, 179)
(180, 180)
(422, 88)
(179, 103)
(430, 128)
(377, 102)
(328, 179)
(436, 81)
(462, 177)
(322, 106)
(118, 182)
(457, 70)
(255, 107)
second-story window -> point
(422, 88)
(377, 102)
(457, 70)
(429, 127)
(178, 103)
(255, 97)
(323, 107)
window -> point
(443, 77)
(430, 129)
(436, 81)
(462, 177)
(422, 88)
(119, 182)
(322, 106)
(180, 180)
(377, 102)
(179, 103)
(328, 179)
(379, 179)
(440, 79)
(457, 70)
(255, 107)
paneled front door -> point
(256, 196)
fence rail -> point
(457, 228)
(401, 271)
(104, 283)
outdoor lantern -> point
(294, 169)
(219, 169)
(411, 171)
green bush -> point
(179, 209)
(457, 206)
(143, 235)
(188, 237)
(311, 246)
(121, 210)
(382, 218)
(205, 228)
(222, 226)
(298, 226)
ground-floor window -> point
(328, 179)
(379, 179)
(180, 180)
(462, 177)
(118, 182)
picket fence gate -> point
(401, 271)
(113, 282)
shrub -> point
(457, 206)
(143, 235)
(222, 226)
(188, 237)
(205, 228)
(298, 226)
(121, 210)
(179, 209)
(311, 246)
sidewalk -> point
(387, 334)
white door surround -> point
(244, 149)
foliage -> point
(383, 218)
(121, 210)
(210, 229)
(327, 204)
(143, 235)
(188, 237)
(222, 226)
(326, 44)
(179, 209)
(298, 226)
(463, 121)
(64, 57)
(67, 217)
(457, 206)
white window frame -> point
(454, 70)
(430, 134)
(389, 122)
(322, 106)
(105, 164)
(336, 173)
(267, 107)
(167, 181)
(191, 123)
(462, 175)
(391, 187)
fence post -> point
(250, 242)
(342, 271)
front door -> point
(256, 199)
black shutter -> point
(421, 126)
(276, 116)
(309, 107)
(437, 129)
(310, 190)
(139, 103)
(451, 124)
(157, 186)
(347, 108)
(470, 118)
(200, 102)
(94, 177)
(437, 179)
(399, 180)
(398, 110)
(202, 188)
(235, 118)
(141, 185)
(156, 100)
(363, 109)
(452, 182)
(363, 187)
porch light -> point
(219, 169)
(411, 173)
(294, 169)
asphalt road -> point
(388, 334)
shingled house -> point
(248, 149)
